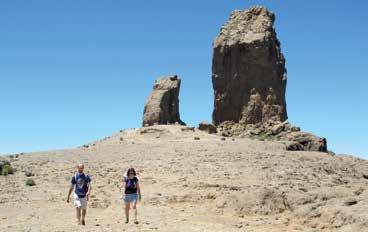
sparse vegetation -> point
(7, 169)
(30, 182)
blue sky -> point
(76, 71)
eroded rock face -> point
(162, 106)
(248, 70)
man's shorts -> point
(80, 202)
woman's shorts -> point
(130, 197)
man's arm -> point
(72, 183)
(89, 190)
(70, 192)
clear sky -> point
(74, 71)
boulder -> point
(208, 127)
(28, 173)
(277, 129)
(306, 142)
(162, 106)
(294, 146)
(248, 70)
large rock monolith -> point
(249, 82)
(248, 70)
(162, 106)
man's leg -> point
(84, 212)
(83, 202)
(78, 210)
(127, 206)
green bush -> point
(7, 170)
(30, 182)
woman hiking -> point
(132, 193)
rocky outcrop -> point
(294, 139)
(303, 141)
(248, 70)
(208, 127)
(249, 82)
(162, 106)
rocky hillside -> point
(191, 181)
(247, 170)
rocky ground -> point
(191, 181)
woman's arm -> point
(123, 186)
(139, 191)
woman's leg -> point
(127, 206)
(135, 211)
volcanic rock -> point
(248, 70)
(307, 141)
(162, 106)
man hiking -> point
(81, 184)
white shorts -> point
(80, 202)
